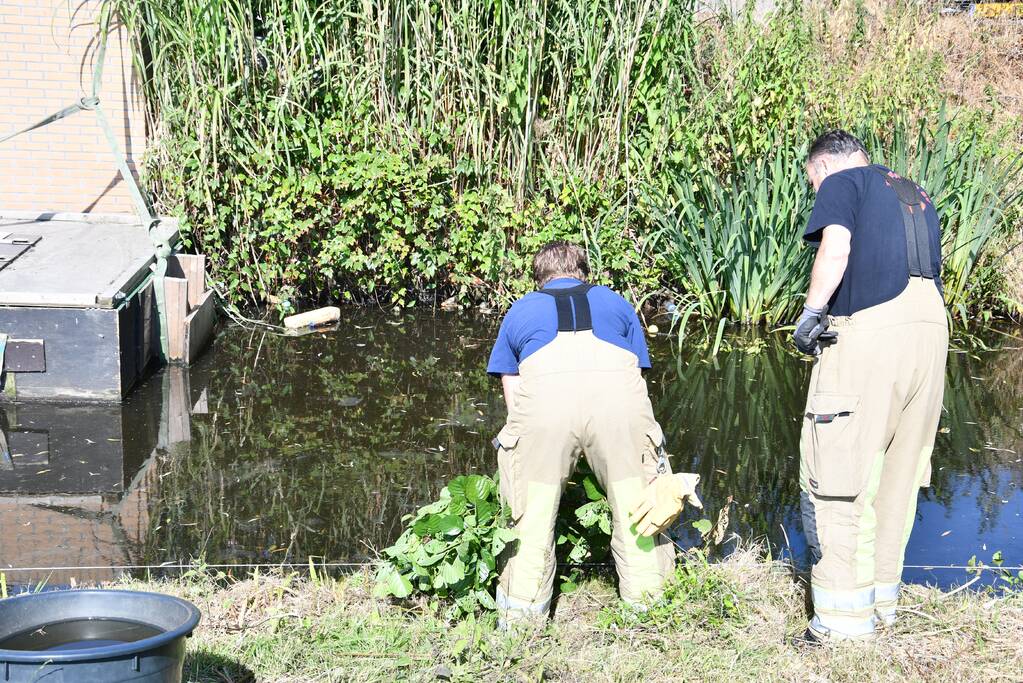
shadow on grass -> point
(209, 667)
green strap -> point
(81, 105)
(161, 247)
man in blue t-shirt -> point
(876, 388)
(570, 357)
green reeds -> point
(268, 118)
(972, 187)
(734, 245)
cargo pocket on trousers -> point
(653, 448)
(507, 468)
(836, 470)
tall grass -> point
(396, 151)
(972, 190)
(508, 90)
(734, 246)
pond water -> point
(275, 449)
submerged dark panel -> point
(82, 355)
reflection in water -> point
(316, 446)
(77, 481)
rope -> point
(305, 565)
(161, 247)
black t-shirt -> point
(878, 270)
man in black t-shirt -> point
(876, 389)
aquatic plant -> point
(450, 547)
(734, 247)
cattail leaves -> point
(735, 246)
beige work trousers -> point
(868, 431)
(577, 395)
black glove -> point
(811, 329)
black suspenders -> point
(914, 219)
(569, 298)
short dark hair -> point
(560, 258)
(838, 143)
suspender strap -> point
(914, 219)
(573, 307)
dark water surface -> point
(79, 634)
(276, 449)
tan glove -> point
(662, 502)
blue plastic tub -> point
(94, 636)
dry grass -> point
(984, 71)
(287, 629)
(984, 66)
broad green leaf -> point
(484, 512)
(478, 488)
(488, 559)
(451, 573)
(426, 525)
(482, 572)
(457, 488)
(593, 490)
(502, 537)
(450, 525)
(703, 526)
(391, 582)
(486, 600)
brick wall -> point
(78, 529)
(46, 60)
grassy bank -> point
(727, 622)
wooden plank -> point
(25, 355)
(136, 330)
(176, 406)
(48, 299)
(199, 326)
(176, 299)
(192, 267)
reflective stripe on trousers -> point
(868, 430)
(886, 599)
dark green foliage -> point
(397, 152)
(450, 547)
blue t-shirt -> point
(878, 270)
(532, 323)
